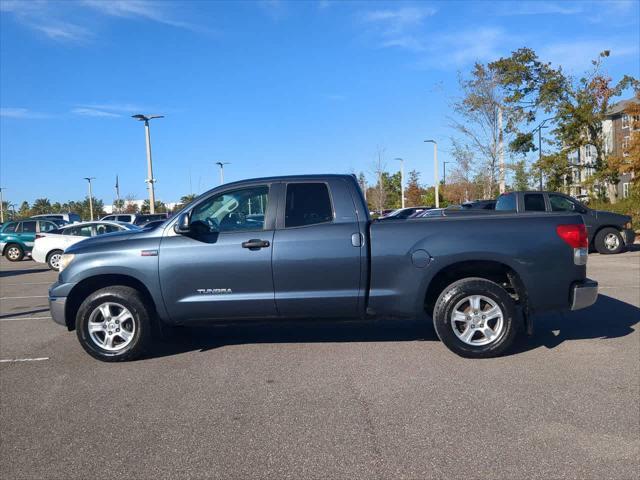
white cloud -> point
(540, 8)
(144, 9)
(22, 113)
(117, 107)
(92, 112)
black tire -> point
(14, 252)
(458, 292)
(608, 241)
(53, 258)
(128, 298)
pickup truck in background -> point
(608, 232)
(305, 247)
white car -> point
(48, 247)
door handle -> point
(255, 244)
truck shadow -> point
(608, 318)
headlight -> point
(65, 260)
(627, 225)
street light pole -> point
(1, 207)
(401, 179)
(435, 169)
(88, 179)
(150, 180)
(221, 165)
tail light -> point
(576, 237)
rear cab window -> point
(534, 202)
(307, 204)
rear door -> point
(28, 233)
(317, 251)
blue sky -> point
(273, 87)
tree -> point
(414, 192)
(578, 106)
(25, 210)
(41, 206)
(520, 176)
(481, 114)
(631, 162)
(160, 207)
(377, 195)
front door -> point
(222, 268)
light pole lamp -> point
(436, 180)
(221, 165)
(88, 179)
(401, 180)
(150, 180)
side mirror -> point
(183, 225)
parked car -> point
(480, 204)
(120, 217)
(304, 247)
(17, 238)
(135, 218)
(48, 247)
(403, 213)
(152, 224)
(65, 217)
(608, 232)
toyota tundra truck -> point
(304, 247)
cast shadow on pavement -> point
(608, 318)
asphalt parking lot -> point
(377, 399)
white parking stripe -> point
(22, 318)
(11, 360)
(32, 296)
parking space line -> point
(13, 319)
(16, 298)
(16, 360)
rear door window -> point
(84, 231)
(103, 228)
(534, 202)
(307, 204)
(47, 226)
(124, 218)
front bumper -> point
(58, 293)
(583, 294)
(628, 236)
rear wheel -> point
(113, 324)
(14, 252)
(608, 241)
(475, 318)
(53, 259)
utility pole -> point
(117, 195)
(444, 172)
(88, 179)
(1, 207)
(150, 180)
(502, 186)
(221, 165)
(401, 179)
(436, 180)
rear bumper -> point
(583, 294)
(628, 236)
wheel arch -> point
(89, 285)
(492, 270)
(9, 243)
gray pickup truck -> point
(304, 247)
(608, 232)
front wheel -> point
(113, 324)
(475, 318)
